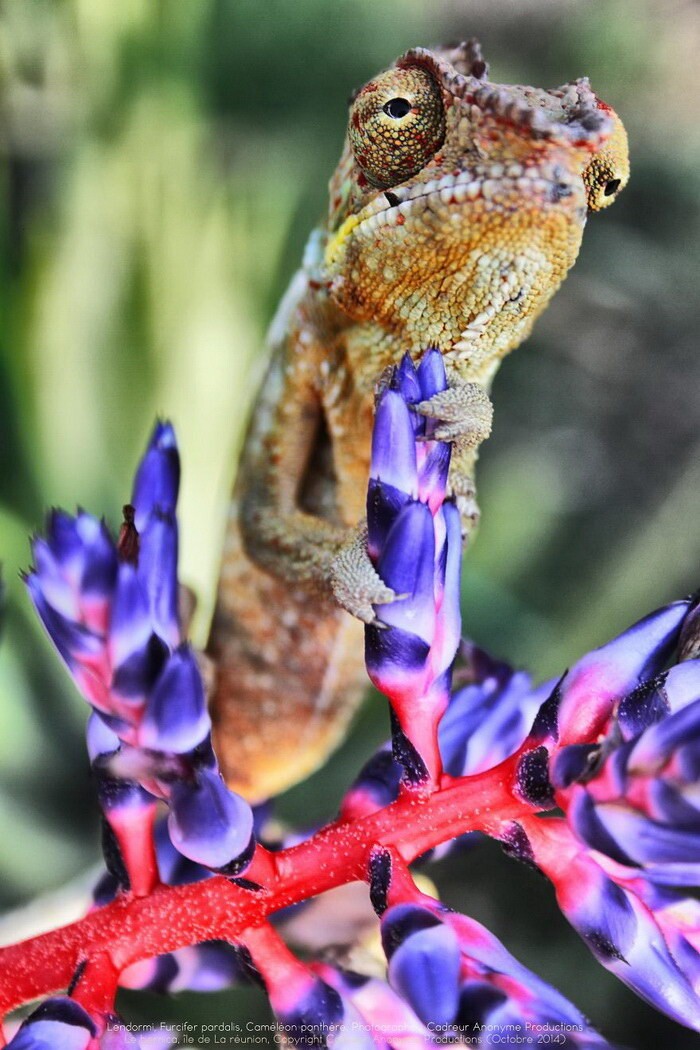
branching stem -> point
(133, 928)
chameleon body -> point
(456, 210)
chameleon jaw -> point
(488, 184)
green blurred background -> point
(162, 164)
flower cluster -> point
(628, 848)
(111, 610)
(414, 540)
(610, 754)
(458, 977)
(487, 719)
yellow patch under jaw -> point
(336, 241)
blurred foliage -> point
(162, 164)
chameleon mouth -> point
(488, 183)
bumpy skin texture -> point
(456, 210)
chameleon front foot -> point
(356, 584)
(463, 413)
(461, 487)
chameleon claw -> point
(357, 586)
(462, 489)
(187, 607)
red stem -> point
(133, 928)
(133, 830)
(96, 988)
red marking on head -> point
(368, 89)
(603, 105)
(400, 219)
(362, 181)
(356, 119)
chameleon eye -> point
(608, 171)
(397, 124)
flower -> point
(414, 540)
(486, 720)
(389, 1020)
(60, 1023)
(489, 717)
(581, 706)
(640, 803)
(57, 1024)
(458, 977)
(647, 936)
(111, 610)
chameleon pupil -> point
(611, 187)
(397, 108)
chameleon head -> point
(458, 205)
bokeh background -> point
(162, 162)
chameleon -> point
(455, 212)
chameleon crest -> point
(456, 210)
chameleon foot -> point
(355, 582)
(462, 488)
(463, 413)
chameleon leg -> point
(287, 661)
(464, 413)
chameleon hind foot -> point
(356, 584)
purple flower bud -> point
(588, 692)
(640, 806)
(311, 1011)
(488, 720)
(386, 1017)
(157, 571)
(452, 971)
(425, 966)
(407, 565)
(646, 936)
(210, 967)
(393, 460)
(157, 479)
(77, 644)
(101, 740)
(77, 565)
(431, 374)
(658, 697)
(376, 786)
(131, 628)
(405, 381)
(210, 824)
(176, 717)
(58, 1023)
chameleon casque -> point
(456, 210)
